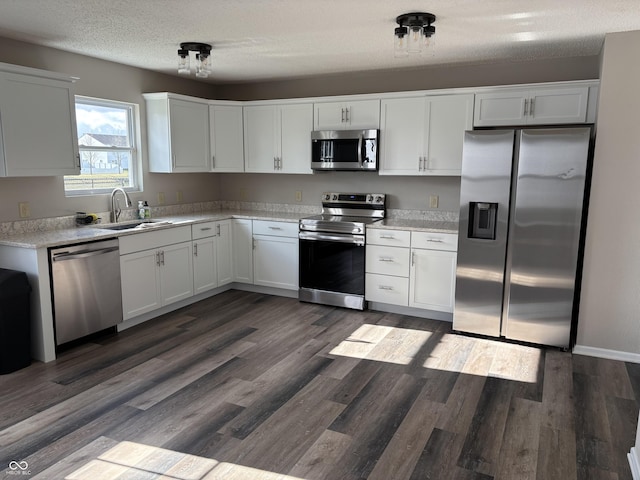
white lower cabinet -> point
(156, 269)
(211, 255)
(154, 278)
(242, 250)
(275, 254)
(433, 271)
(415, 269)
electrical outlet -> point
(298, 196)
(160, 198)
(243, 194)
(179, 196)
(433, 201)
(24, 209)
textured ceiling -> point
(273, 39)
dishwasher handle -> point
(62, 256)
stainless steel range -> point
(332, 248)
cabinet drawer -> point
(387, 289)
(388, 260)
(392, 238)
(435, 241)
(148, 240)
(277, 229)
(203, 230)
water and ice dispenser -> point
(482, 220)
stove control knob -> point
(335, 197)
(369, 198)
(327, 197)
(378, 199)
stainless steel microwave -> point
(344, 150)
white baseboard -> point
(634, 463)
(606, 353)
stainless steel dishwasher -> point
(85, 285)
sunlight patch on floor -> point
(383, 344)
(453, 353)
(135, 460)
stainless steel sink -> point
(132, 225)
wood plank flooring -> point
(250, 386)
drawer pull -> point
(388, 237)
(435, 240)
(386, 259)
(385, 287)
(205, 229)
(275, 228)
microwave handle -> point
(360, 142)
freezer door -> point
(545, 235)
(482, 239)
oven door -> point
(332, 269)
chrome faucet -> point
(115, 206)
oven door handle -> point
(336, 237)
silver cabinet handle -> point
(205, 229)
(388, 237)
(162, 257)
(174, 159)
(218, 230)
(342, 116)
(347, 112)
(213, 161)
(526, 105)
(158, 258)
(78, 158)
(385, 287)
(420, 163)
(435, 240)
(254, 244)
(531, 104)
(195, 249)
(413, 258)
(386, 259)
(275, 228)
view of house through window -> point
(107, 149)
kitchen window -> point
(106, 140)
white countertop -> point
(53, 238)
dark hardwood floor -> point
(249, 386)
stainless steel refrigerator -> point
(522, 199)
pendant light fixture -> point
(413, 34)
(203, 58)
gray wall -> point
(610, 301)
(118, 82)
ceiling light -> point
(414, 33)
(203, 58)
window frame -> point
(135, 173)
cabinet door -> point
(432, 279)
(558, 105)
(37, 127)
(189, 127)
(275, 262)
(260, 138)
(296, 124)
(402, 129)
(176, 272)
(448, 118)
(139, 273)
(227, 150)
(205, 273)
(223, 252)
(503, 108)
(352, 115)
(242, 250)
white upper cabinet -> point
(226, 139)
(424, 135)
(178, 133)
(277, 138)
(348, 115)
(37, 124)
(540, 106)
